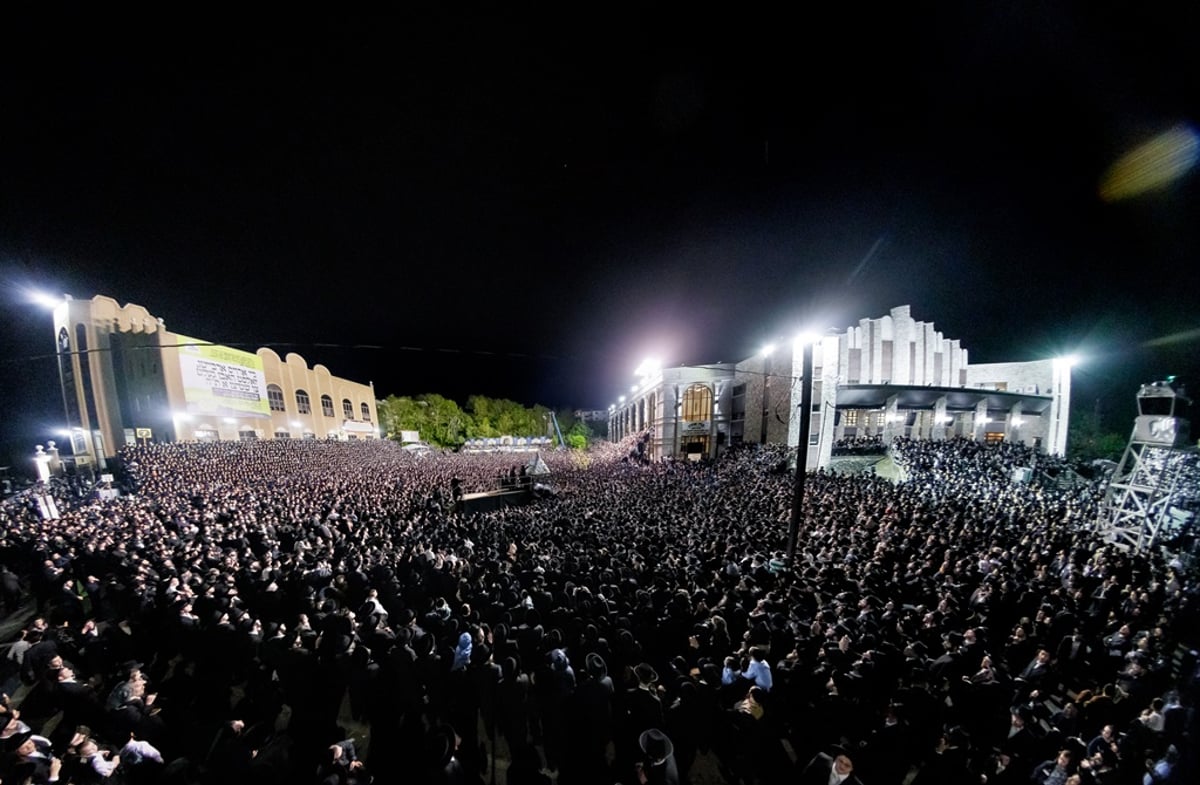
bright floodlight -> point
(807, 337)
(649, 366)
(621, 399)
(45, 300)
(1067, 361)
(766, 350)
(296, 424)
(634, 388)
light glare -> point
(1152, 165)
(45, 300)
(649, 366)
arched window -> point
(366, 413)
(247, 435)
(326, 405)
(697, 404)
(302, 402)
(275, 398)
(347, 408)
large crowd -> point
(221, 619)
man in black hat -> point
(657, 765)
(830, 769)
(641, 710)
(28, 758)
(592, 714)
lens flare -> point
(1153, 165)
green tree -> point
(1087, 440)
(578, 436)
(441, 422)
(437, 419)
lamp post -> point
(806, 371)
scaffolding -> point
(1152, 495)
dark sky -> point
(553, 195)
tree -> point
(1088, 441)
(441, 422)
(437, 419)
(578, 435)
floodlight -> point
(44, 299)
(766, 350)
(649, 366)
(807, 337)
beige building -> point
(126, 379)
(884, 377)
(681, 412)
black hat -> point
(646, 674)
(13, 742)
(656, 745)
(596, 666)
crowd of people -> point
(218, 620)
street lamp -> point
(806, 393)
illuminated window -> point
(302, 402)
(850, 417)
(275, 398)
(366, 413)
(347, 409)
(994, 437)
(326, 405)
(697, 404)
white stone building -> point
(884, 377)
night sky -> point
(524, 204)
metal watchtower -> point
(1154, 490)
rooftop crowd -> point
(218, 621)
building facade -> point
(680, 412)
(883, 378)
(126, 379)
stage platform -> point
(496, 500)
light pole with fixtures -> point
(806, 393)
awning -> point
(875, 396)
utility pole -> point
(806, 391)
